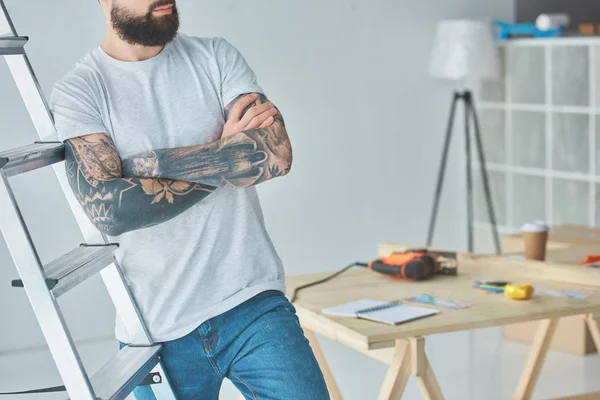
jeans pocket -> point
(284, 310)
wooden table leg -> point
(334, 391)
(537, 354)
(594, 330)
(421, 369)
(398, 373)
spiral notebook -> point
(391, 313)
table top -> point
(487, 309)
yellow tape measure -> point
(518, 291)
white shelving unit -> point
(541, 132)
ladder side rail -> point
(43, 303)
(7, 28)
(30, 90)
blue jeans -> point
(259, 346)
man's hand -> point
(245, 115)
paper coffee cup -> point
(535, 237)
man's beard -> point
(147, 30)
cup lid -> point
(535, 226)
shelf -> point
(545, 173)
(540, 127)
(490, 105)
(561, 41)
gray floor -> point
(469, 365)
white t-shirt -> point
(215, 255)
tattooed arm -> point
(116, 205)
(237, 160)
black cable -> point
(47, 390)
(356, 264)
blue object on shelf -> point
(508, 30)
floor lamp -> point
(465, 53)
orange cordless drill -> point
(413, 264)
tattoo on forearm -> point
(116, 205)
(241, 160)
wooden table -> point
(402, 347)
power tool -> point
(416, 264)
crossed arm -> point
(116, 204)
(154, 187)
(239, 160)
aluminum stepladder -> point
(132, 365)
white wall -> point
(365, 119)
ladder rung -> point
(126, 370)
(11, 45)
(78, 265)
(30, 157)
(68, 271)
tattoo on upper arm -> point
(115, 204)
(97, 159)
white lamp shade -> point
(464, 50)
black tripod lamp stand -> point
(470, 115)
(465, 50)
